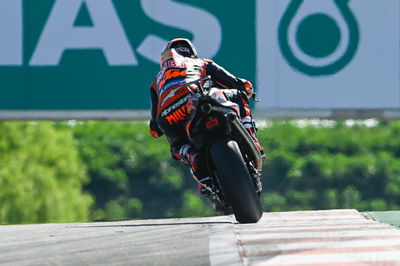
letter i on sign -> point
(11, 30)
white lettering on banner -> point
(207, 35)
(60, 34)
(11, 32)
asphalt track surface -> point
(335, 237)
(145, 242)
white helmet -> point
(183, 47)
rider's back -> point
(176, 70)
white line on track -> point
(372, 258)
(311, 218)
(307, 227)
(321, 234)
(253, 250)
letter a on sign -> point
(60, 34)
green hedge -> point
(331, 167)
(52, 172)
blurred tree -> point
(134, 174)
(41, 175)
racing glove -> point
(248, 88)
(154, 130)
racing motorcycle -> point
(233, 160)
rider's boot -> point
(250, 126)
(198, 168)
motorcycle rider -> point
(179, 64)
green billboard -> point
(103, 54)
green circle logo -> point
(318, 36)
(321, 41)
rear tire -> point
(235, 180)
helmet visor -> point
(183, 48)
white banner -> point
(328, 54)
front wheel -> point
(235, 180)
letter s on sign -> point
(207, 35)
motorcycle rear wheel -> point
(235, 180)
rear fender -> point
(254, 152)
